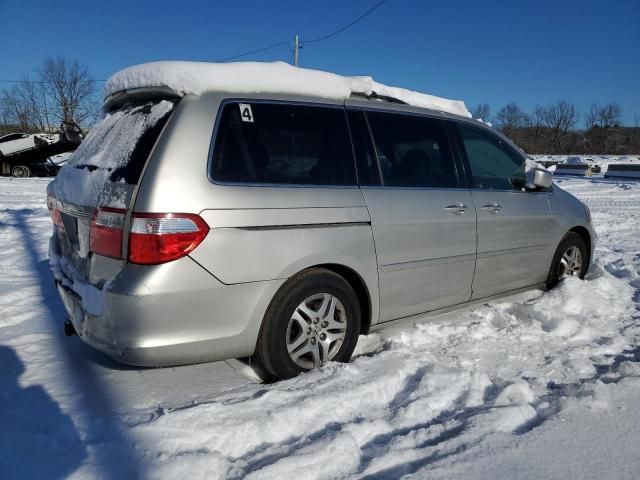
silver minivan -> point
(192, 228)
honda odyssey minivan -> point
(193, 227)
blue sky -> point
(486, 51)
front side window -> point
(494, 165)
(413, 151)
(283, 144)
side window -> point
(283, 144)
(413, 151)
(494, 164)
(11, 137)
(368, 173)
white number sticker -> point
(245, 112)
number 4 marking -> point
(245, 112)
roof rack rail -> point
(378, 98)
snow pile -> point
(258, 77)
(108, 147)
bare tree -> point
(560, 118)
(481, 111)
(601, 123)
(591, 120)
(609, 115)
(71, 88)
(536, 124)
(509, 119)
(24, 105)
(63, 91)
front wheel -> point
(21, 171)
(570, 260)
(313, 319)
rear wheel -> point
(313, 319)
(20, 171)
(570, 260)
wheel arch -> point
(359, 286)
(586, 236)
(356, 281)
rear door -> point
(423, 219)
(513, 223)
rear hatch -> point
(97, 185)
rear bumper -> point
(172, 314)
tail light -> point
(54, 211)
(162, 237)
(105, 237)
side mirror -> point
(536, 175)
(542, 178)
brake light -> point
(163, 237)
(105, 237)
(54, 211)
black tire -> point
(571, 239)
(20, 171)
(271, 355)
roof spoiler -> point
(377, 98)
(117, 99)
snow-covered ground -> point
(539, 385)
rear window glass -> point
(283, 144)
(413, 151)
(115, 150)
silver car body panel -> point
(513, 240)
(412, 253)
(426, 252)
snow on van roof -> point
(262, 77)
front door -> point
(513, 223)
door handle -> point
(492, 207)
(458, 208)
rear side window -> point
(413, 151)
(494, 165)
(283, 144)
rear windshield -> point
(115, 150)
(283, 144)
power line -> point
(257, 51)
(340, 30)
(292, 50)
(47, 81)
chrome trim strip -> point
(512, 251)
(394, 267)
(306, 225)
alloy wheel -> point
(316, 330)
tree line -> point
(553, 129)
(61, 90)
